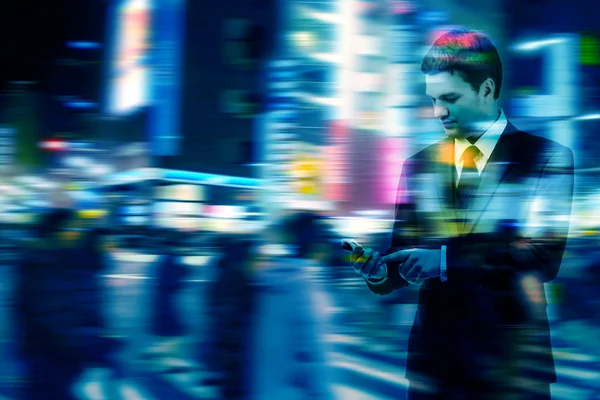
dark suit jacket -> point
(488, 319)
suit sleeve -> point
(404, 235)
(538, 246)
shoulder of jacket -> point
(546, 149)
(441, 151)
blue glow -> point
(80, 104)
(83, 45)
(433, 16)
(129, 176)
(283, 74)
(211, 179)
(133, 176)
(282, 105)
(80, 145)
(164, 130)
(283, 95)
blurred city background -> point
(168, 124)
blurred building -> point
(134, 41)
(23, 127)
(302, 92)
(358, 91)
(555, 73)
(280, 128)
(185, 77)
(225, 46)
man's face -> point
(456, 104)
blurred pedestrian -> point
(167, 322)
(290, 350)
(58, 309)
(231, 304)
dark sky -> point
(33, 32)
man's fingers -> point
(367, 262)
(399, 256)
(377, 272)
(402, 272)
(370, 264)
(405, 268)
(413, 273)
(361, 259)
(357, 252)
(367, 259)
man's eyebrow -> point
(445, 95)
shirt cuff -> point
(379, 281)
(443, 266)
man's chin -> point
(453, 133)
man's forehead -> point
(439, 78)
(444, 82)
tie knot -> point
(469, 156)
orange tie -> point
(469, 178)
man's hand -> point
(416, 264)
(368, 263)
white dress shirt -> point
(486, 145)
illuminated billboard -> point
(129, 77)
(179, 215)
(180, 192)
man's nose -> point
(440, 112)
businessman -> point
(481, 223)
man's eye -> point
(452, 100)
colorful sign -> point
(589, 50)
(336, 168)
(391, 151)
(130, 74)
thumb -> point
(399, 256)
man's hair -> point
(469, 53)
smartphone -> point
(349, 245)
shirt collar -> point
(486, 143)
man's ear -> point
(489, 87)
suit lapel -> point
(492, 175)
